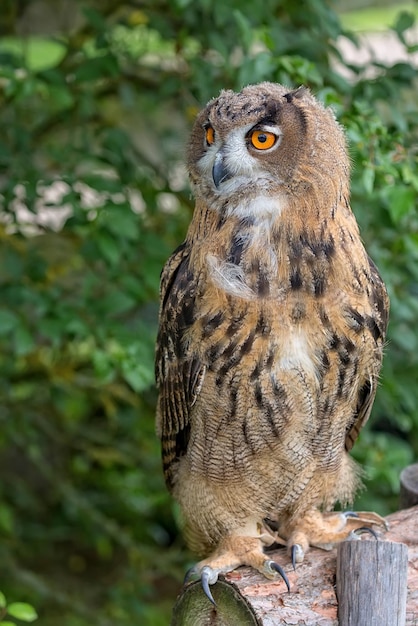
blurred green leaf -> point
(404, 21)
(8, 321)
(368, 179)
(23, 611)
(401, 201)
(96, 68)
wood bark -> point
(243, 597)
(372, 583)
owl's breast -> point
(246, 261)
(282, 377)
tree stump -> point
(372, 583)
(243, 597)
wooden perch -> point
(372, 583)
(243, 597)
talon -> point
(275, 567)
(366, 529)
(353, 537)
(208, 577)
(297, 554)
(190, 572)
(293, 554)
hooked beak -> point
(220, 172)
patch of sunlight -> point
(376, 18)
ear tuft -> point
(296, 93)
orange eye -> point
(262, 139)
(210, 135)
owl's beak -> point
(220, 172)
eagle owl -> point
(271, 331)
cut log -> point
(372, 583)
(245, 597)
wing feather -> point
(179, 372)
(377, 325)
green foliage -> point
(22, 611)
(94, 197)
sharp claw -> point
(293, 554)
(297, 554)
(208, 577)
(366, 529)
(190, 572)
(277, 568)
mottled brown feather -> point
(272, 323)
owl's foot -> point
(233, 552)
(323, 530)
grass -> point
(376, 18)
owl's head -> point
(265, 140)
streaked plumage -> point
(272, 325)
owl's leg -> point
(323, 530)
(232, 552)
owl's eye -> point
(210, 135)
(262, 139)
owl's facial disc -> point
(235, 160)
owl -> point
(271, 331)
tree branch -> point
(245, 597)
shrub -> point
(94, 198)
